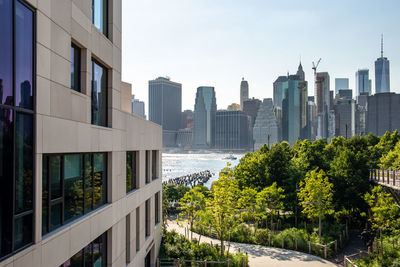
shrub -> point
(262, 236)
(241, 234)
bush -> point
(241, 234)
(262, 237)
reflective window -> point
(147, 217)
(75, 68)
(154, 174)
(147, 166)
(81, 192)
(16, 127)
(99, 94)
(99, 15)
(23, 56)
(157, 207)
(131, 170)
(93, 255)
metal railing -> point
(389, 178)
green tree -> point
(391, 159)
(384, 212)
(247, 203)
(270, 199)
(316, 196)
(191, 204)
(222, 206)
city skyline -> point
(220, 43)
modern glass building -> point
(80, 176)
(232, 130)
(322, 103)
(265, 130)
(382, 73)
(363, 82)
(205, 109)
(244, 92)
(341, 84)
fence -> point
(350, 260)
(386, 177)
(183, 262)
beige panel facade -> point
(63, 125)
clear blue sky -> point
(217, 42)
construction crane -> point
(315, 66)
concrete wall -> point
(63, 125)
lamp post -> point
(320, 215)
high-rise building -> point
(205, 109)
(187, 119)
(244, 92)
(73, 190)
(345, 117)
(363, 82)
(322, 102)
(312, 132)
(300, 73)
(383, 113)
(279, 92)
(165, 103)
(341, 84)
(382, 73)
(361, 114)
(232, 130)
(265, 130)
(250, 108)
(344, 93)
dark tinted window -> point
(75, 68)
(99, 94)
(6, 66)
(99, 15)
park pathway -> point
(261, 256)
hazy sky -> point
(217, 42)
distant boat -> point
(231, 156)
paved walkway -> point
(261, 256)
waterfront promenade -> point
(261, 256)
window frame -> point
(50, 203)
(15, 109)
(104, 18)
(148, 167)
(154, 167)
(106, 69)
(135, 172)
(147, 215)
(157, 208)
(79, 65)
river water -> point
(175, 165)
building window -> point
(157, 208)
(147, 166)
(75, 68)
(99, 15)
(147, 217)
(16, 126)
(99, 94)
(131, 170)
(93, 255)
(137, 229)
(154, 157)
(128, 237)
(72, 185)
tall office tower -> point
(187, 119)
(345, 94)
(205, 109)
(361, 114)
(165, 103)
(232, 130)
(265, 130)
(250, 108)
(383, 113)
(73, 191)
(294, 109)
(341, 84)
(322, 102)
(279, 92)
(138, 107)
(311, 109)
(363, 82)
(382, 73)
(300, 73)
(244, 92)
(345, 110)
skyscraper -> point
(383, 113)
(382, 73)
(278, 91)
(362, 82)
(165, 103)
(341, 84)
(244, 92)
(322, 102)
(232, 130)
(250, 108)
(265, 128)
(205, 109)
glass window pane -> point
(129, 171)
(99, 161)
(23, 233)
(87, 252)
(99, 95)
(73, 186)
(88, 182)
(55, 176)
(23, 162)
(56, 213)
(45, 195)
(99, 15)
(75, 67)
(23, 56)
(99, 251)
(77, 260)
(147, 166)
(6, 54)
(154, 164)
(6, 179)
